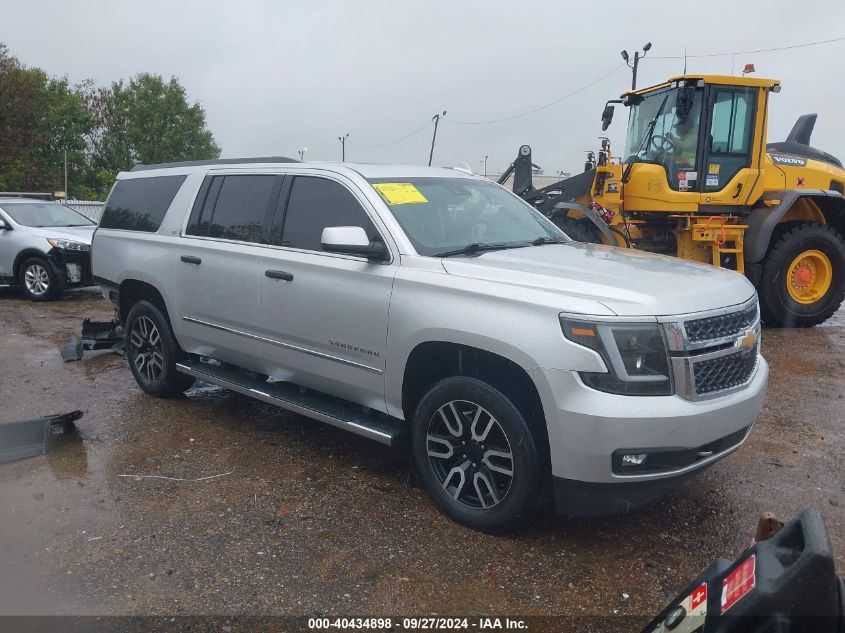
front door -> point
(324, 315)
(727, 158)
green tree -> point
(147, 120)
(40, 119)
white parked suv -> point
(434, 305)
(44, 246)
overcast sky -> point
(274, 77)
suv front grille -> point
(721, 326)
(724, 372)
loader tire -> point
(803, 277)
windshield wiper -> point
(480, 247)
(648, 132)
(545, 239)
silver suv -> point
(433, 305)
(44, 247)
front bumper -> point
(72, 267)
(587, 427)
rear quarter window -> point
(139, 204)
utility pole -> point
(301, 153)
(66, 196)
(436, 118)
(342, 140)
(637, 58)
(485, 166)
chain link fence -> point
(91, 209)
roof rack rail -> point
(216, 161)
(27, 194)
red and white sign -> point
(739, 582)
(697, 598)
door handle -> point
(278, 274)
(738, 191)
(190, 259)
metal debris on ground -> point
(27, 438)
(96, 335)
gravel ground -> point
(305, 519)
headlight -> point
(634, 353)
(68, 245)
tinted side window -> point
(316, 203)
(236, 207)
(139, 204)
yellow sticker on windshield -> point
(399, 192)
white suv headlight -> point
(68, 245)
(635, 355)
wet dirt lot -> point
(305, 519)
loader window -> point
(731, 129)
(659, 133)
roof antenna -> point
(685, 59)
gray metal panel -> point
(28, 438)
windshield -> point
(673, 141)
(441, 214)
(45, 214)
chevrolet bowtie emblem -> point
(748, 340)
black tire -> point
(777, 306)
(38, 280)
(152, 351)
(501, 502)
(580, 231)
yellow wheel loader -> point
(697, 180)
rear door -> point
(324, 315)
(219, 263)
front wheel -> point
(803, 277)
(153, 352)
(476, 455)
(38, 280)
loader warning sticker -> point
(739, 582)
(713, 169)
(712, 181)
(399, 193)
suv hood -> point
(76, 233)
(628, 282)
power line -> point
(538, 108)
(508, 118)
(760, 50)
(398, 140)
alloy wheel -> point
(146, 347)
(470, 454)
(36, 279)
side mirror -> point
(351, 240)
(607, 116)
(684, 101)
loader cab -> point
(701, 131)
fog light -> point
(634, 460)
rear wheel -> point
(153, 352)
(476, 455)
(803, 278)
(38, 280)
